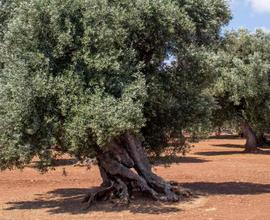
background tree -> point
(88, 78)
(243, 87)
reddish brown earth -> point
(234, 185)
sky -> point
(250, 14)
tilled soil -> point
(228, 185)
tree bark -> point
(261, 139)
(251, 138)
(125, 168)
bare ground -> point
(233, 185)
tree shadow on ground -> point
(168, 160)
(68, 201)
(229, 136)
(224, 153)
(219, 153)
(56, 163)
(62, 201)
(229, 188)
(229, 145)
(64, 162)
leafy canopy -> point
(243, 87)
(75, 73)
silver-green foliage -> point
(243, 83)
(75, 73)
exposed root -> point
(98, 194)
(122, 193)
(180, 191)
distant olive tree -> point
(242, 88)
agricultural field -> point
(134, 109)
(229, 185)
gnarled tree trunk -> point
(125, 169)
(251, 138)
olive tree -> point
(87, 78)
(242, 87)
